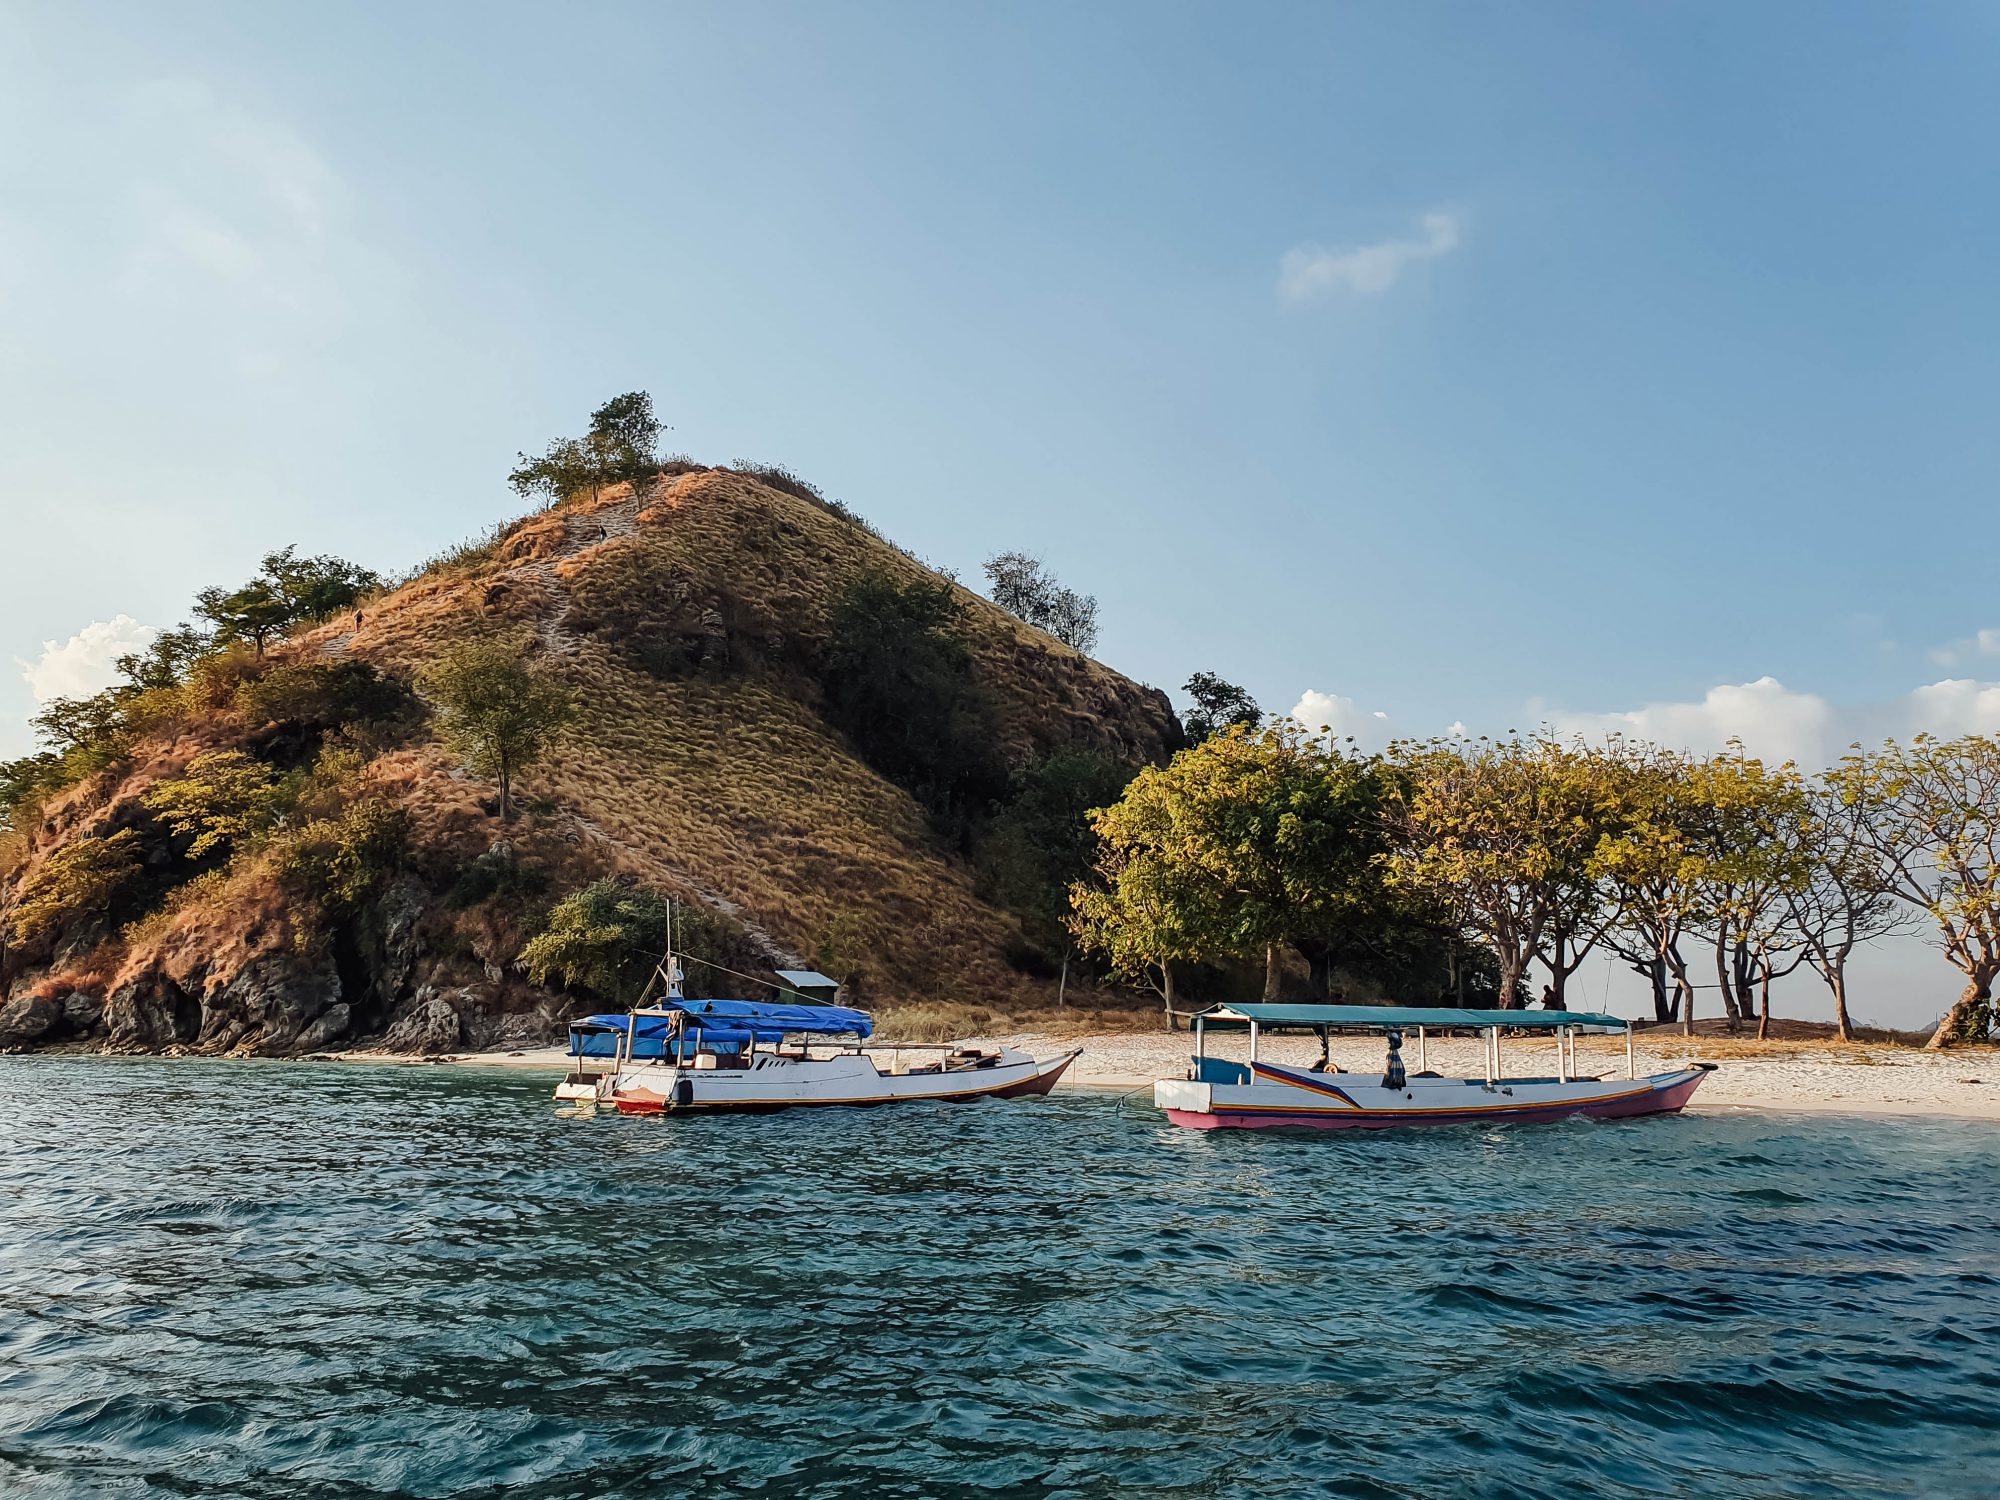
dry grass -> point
(730, 787)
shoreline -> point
(1774, 1078)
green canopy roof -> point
(1382, 1017)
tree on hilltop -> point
(1023, 586)
(628, 431)
(288, 590)
(622, 443)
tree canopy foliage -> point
(1022, 585)
(288, 590)
(1239, 845)
(1218, 705)
(1544, 851)
(603, 939)
(222, 799)
(622, 443)
(496, 711)
(898, 682)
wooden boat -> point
(701, 1056)
(1219, 1094)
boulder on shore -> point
(28, 1019)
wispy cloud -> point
(1307, 272)
(85, 663)
(1985, 643)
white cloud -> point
(1770, 719)
(83, 664)
(1309, 271)
(1777, 724)
(1985, 643)
(1343, 719)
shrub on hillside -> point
(83, 878)
(326, 695)
(603, 939)
(496, 874)
(898, 682)
(223, 799)
(336, 864)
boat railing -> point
(1565, 1038)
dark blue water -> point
(330, 1280)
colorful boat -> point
(703, 1056)
(1218, 1094)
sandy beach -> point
(1749, 1075)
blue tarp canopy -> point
(725, 1025)
(1401, 1017)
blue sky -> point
(1613, 366)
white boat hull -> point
(778, 1082)
(1286, 1097)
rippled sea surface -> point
(320, 1280)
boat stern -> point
(1173, 1094)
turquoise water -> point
(312, 1280)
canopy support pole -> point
(1631, 1065)
(1200, 1039)
(1423, 1055)
(1562, 1054)
(1491, 1037)
(1253, 1041)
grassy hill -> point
(690, 617)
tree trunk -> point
(1273, 973)
(1764, 1003)
(1978, 994)
(1319, 969)
(1683, 991)
(1510, 986)
(506, 790)
(1062, 981)
(1836, 980)
(1167, 992)
(1726, 982)
(1656, 975)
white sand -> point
(1780, 1076)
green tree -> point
(1845, 897)
(627, 433)
(223, 798)
(495, 711)
(1022, 585)
(1931, 811)
(899, 684)
(167, 659)
(1753, 852)
(23, 785)
(604, 939)
(340, 861)
(1238, 847)
(82, 878)
(1040, 844)
(559, 471)
(1499, 833)
(1217, 706)
(315, 588)
(254, 613)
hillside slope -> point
(688, 620)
